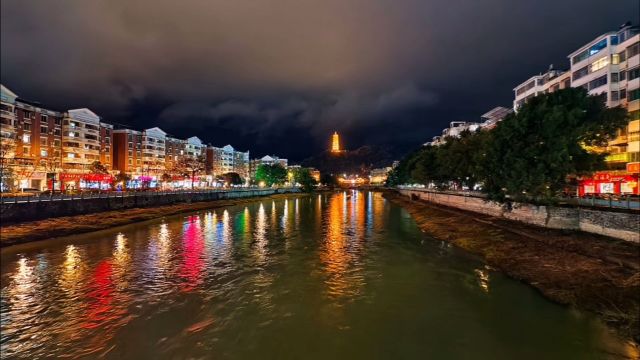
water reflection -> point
(335, 274)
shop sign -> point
(606, 188)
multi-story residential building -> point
(80, 140)
(540, 84)
(194, 147)
(153, 152)
(174, 151)
(30, 139)
(607, 66)
(265, 160)
(454, 130)
(225, 160)
(492, 117)
(127, 152)
(106, 145)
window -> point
(633, 94)
(602, 80)
(43, 141)
(614, 96)
(566, 84)
(633, 73)
(26, 150)
(26, 138)
(600, 63)
(614, 77)
(633, 50)
(582, 56)
(71, 155)
(623, 75)
(26, 114)
(57, 121)
(57, 132)
(26, 126)
(614, 40)
(580, 73)
(43, 130)
(43, 153)
(43, 118)
(597, 47)
(56, 143)
(623, 94)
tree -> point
(165, 178)
(123, 178)
(97, 167)
(7, 154)
(329, 180)
(192, 166)
(24, 170)
(271, 174)
(231, 178)
(532, 152)
(303, 177)
(51, 165)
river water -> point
(345, 275)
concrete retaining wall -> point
(620, 225)
(17, 212)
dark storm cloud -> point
(245, 70)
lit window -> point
(26, 138)
(71, 155)
(43, 153)
(615, 59)
(71, 134)
(600, 63)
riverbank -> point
(588, 271)
(69, 225)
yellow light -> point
(262, 184)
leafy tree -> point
(191, 166)
(232, 178)
(329, 180)
(271, 174)
(303, 177)
(121, 177)
(97, 167)
(532, 152)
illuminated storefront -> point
(83, 181)
(609, 183)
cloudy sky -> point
(278, 76)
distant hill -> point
(359, 161)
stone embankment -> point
(624, 225)
(39, 209)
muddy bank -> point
(69, 225)
(588, 271)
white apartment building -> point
(153, 151)
(540, 84)
(226, 159)
(80, 139)
(492, 117)
(454, 130)
(607, 66)
(194, 147)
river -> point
(345, 275)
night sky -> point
(279, 76)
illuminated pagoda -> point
(335, 143)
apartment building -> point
(174, 151)
(454, 130)
(225, 160)
(265, 160)
(127, 155)
(607, 66)
(492, 117)
(153, 152)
